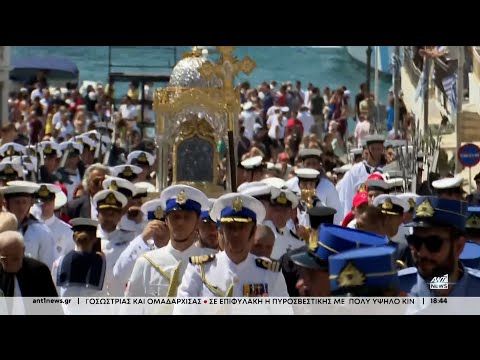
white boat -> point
(359, 53)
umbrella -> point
(56, 68)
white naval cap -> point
(19, 188)
(275, 182)
(128, 171)
(252, 163)
(235, 207)
(121, 185)
(49, 148)
(411, 198)
(11, 149)
(307, 174)
(183, 197)
(30, 150)
(71, 146)
(285, 109)
(105, 140)
(153, 209)
(395, 183)
(448, 183)
(270, 165)
(140, 158)
(145, 185)
(374, 138)
(86, 140)
(283, 196)
(357, 151)
(9, 169)
(93, 134)
(309, 153)
(391, 205)
(109, 199)
(255, 189)
(47, 191)
(28, 162)
(342, 169)
(78, 223)
(205, 215)
(60, 200)
(292, 185)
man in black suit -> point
(22, 276)
(93, 178)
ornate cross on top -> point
(227, 67)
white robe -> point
(347, 188)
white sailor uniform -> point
(39, 241)
(285, 240)
(62, 234)
(217, 275)
(113, 244)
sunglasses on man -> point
(432, 243)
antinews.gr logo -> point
(439, 282)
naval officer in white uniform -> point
(159, 272)
(359, 173)
(235, 271)
(39, 242)
(110, 204)
(49, 197)
(154, 236)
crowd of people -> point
(82, 215)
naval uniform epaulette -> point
(202, 259)
(268, 264)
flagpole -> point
(458, 114)
(396, 90)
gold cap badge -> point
(10, 151)
(473, 222)
(282, 199)
(111, 199)
(128, 171)
(425, 209)
(387, 204)
(48, 149)
(158, 213)
(182, 197)
(113, 186)
(351, 276)
(411, 202)
(43, 192)
(8, 170)
(237, 204)
(142, 158)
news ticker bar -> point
(240, 306)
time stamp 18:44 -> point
(438, 300)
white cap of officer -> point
(153, 209)
(126, 171)
(283, 196)
(145, 185)
(254, 188)
(49, 148)
(183, 197)
(141, 158)
(11, 149)
(28, 162)
(275, 182)
(448, 183)
(71, 146)
(19, 188)
(121, 185)
(235, 207)
(252, 163)
(9, 168)
(86, 140)
(411, 198)
(391, 205)
(307, 174)
(109, 199)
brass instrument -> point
(307, 196)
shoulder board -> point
(295, 235)
(202, 259)
(473, 272)
(268, 264)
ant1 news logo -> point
(439, 282)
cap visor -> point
(109, 207)
(309, 261)
(235, 219)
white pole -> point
(457, 116)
